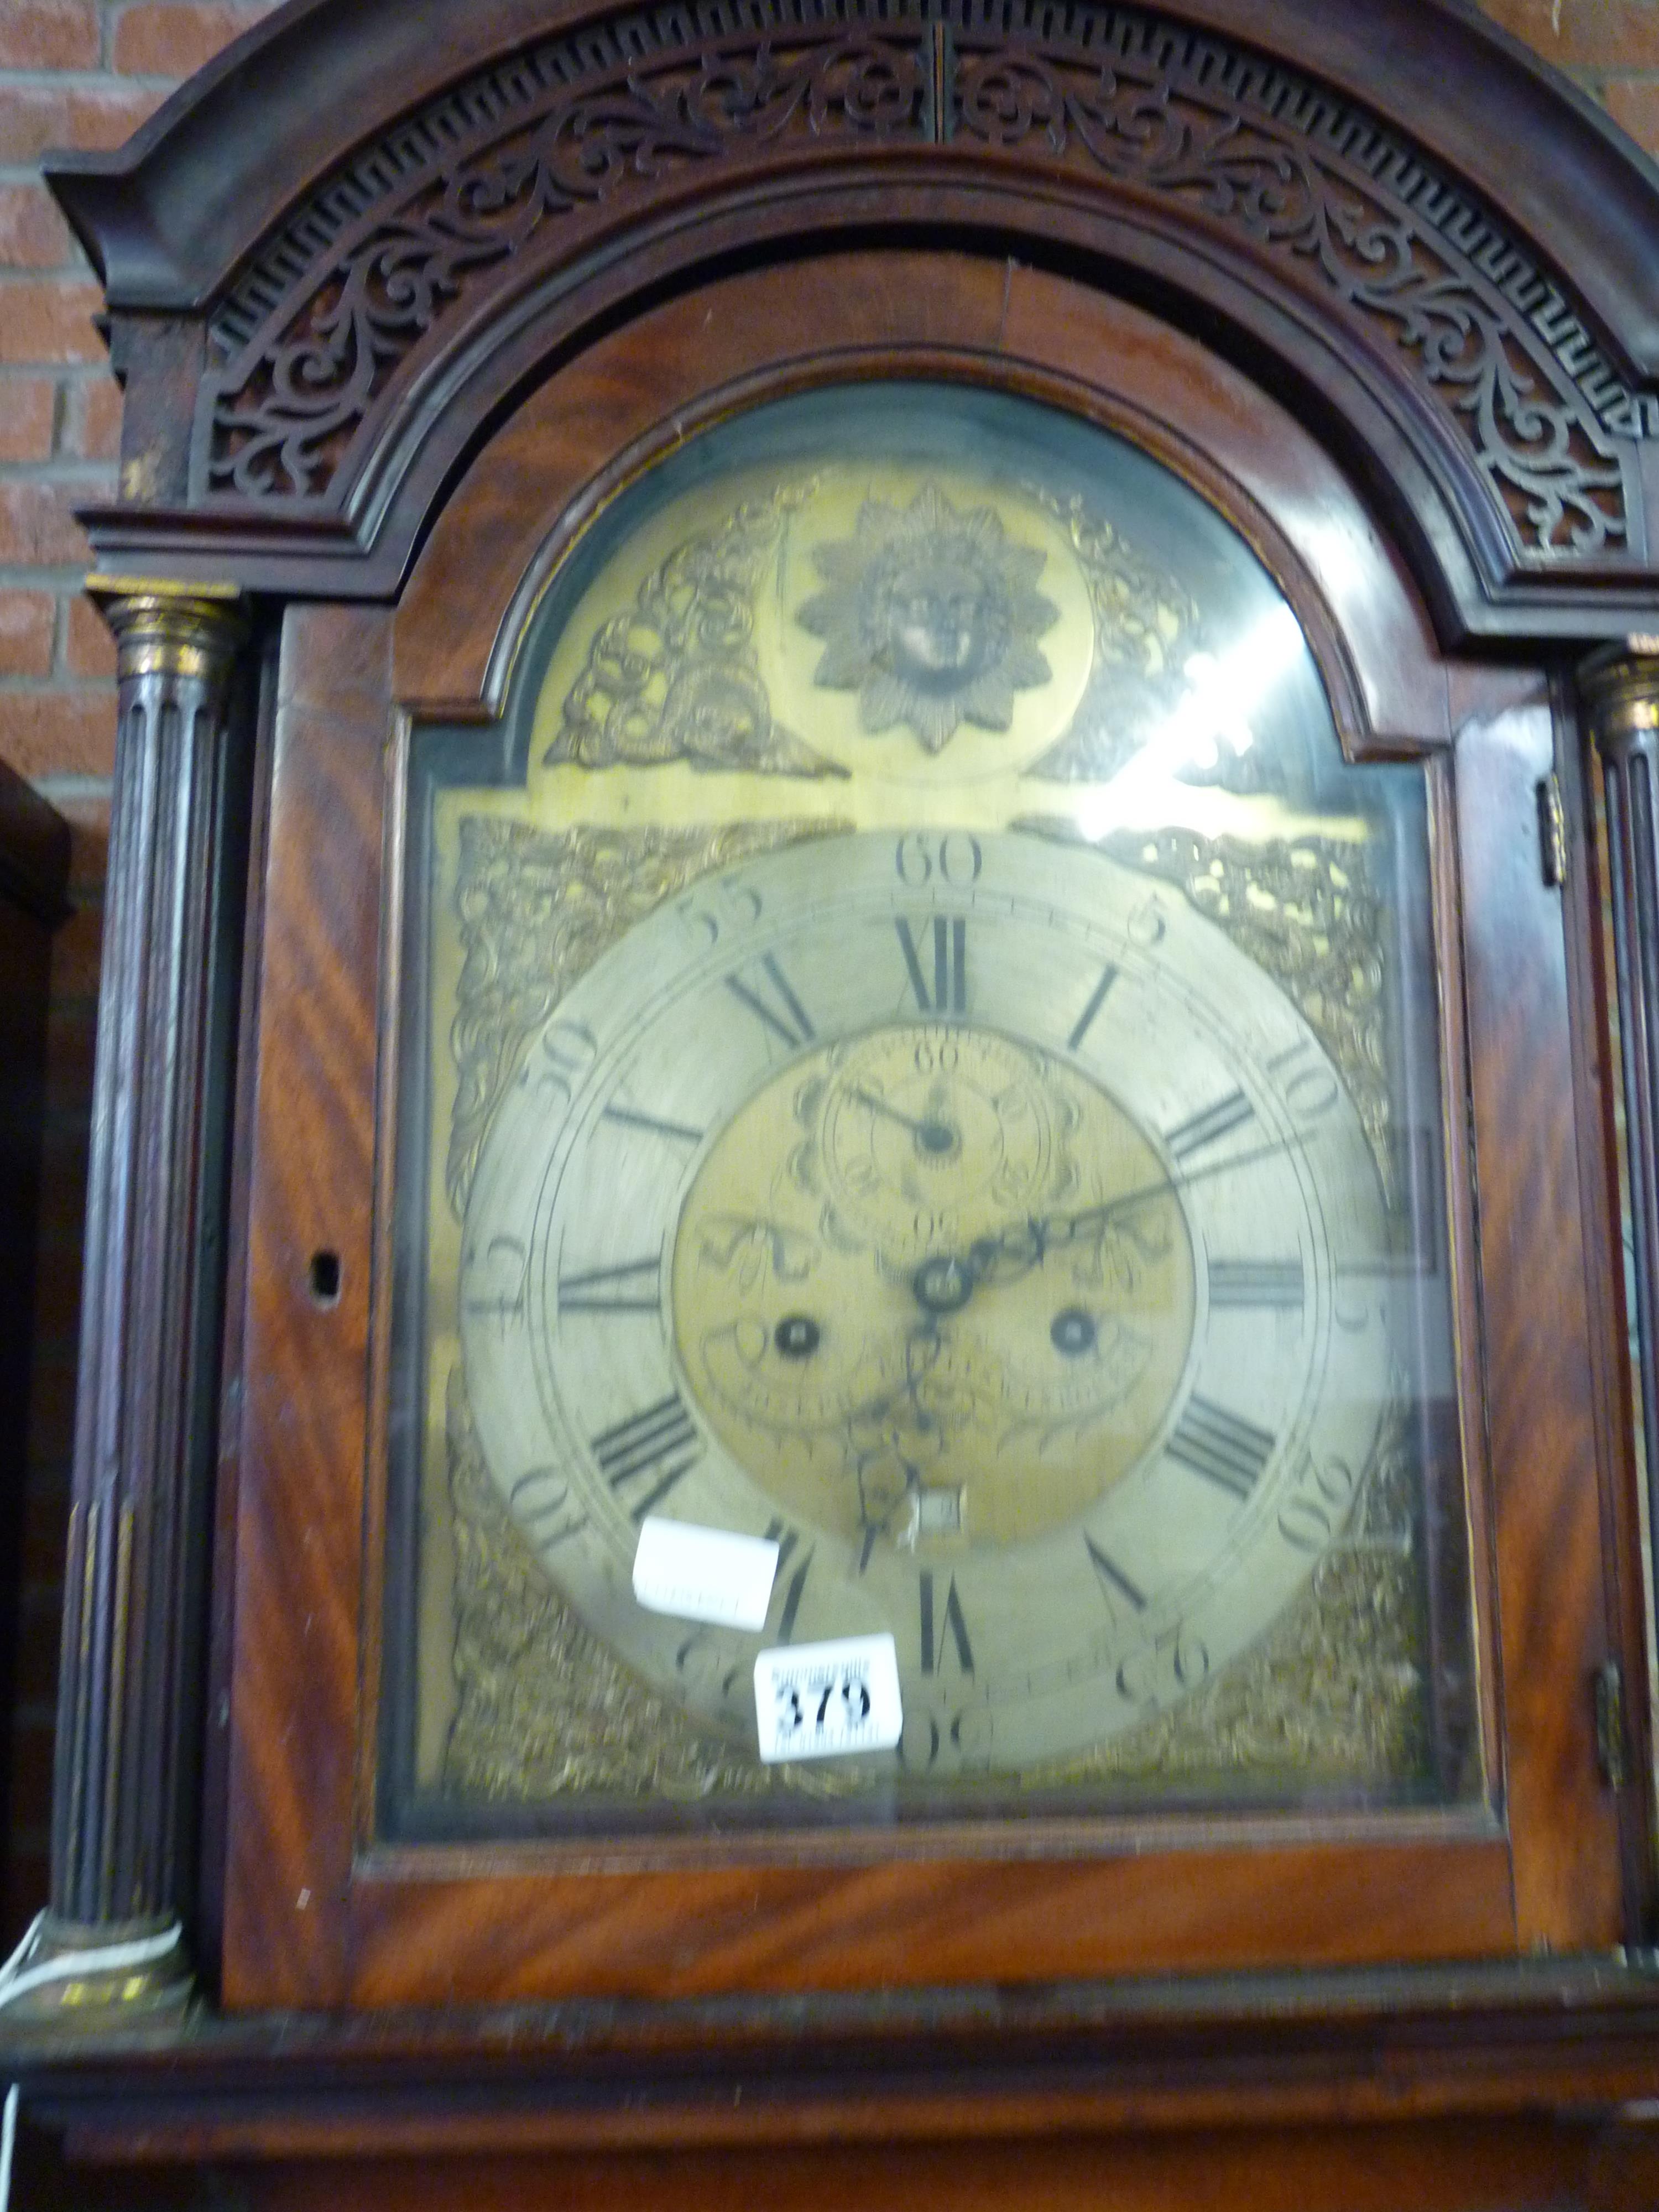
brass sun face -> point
(932, 615)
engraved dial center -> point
(860, 1317)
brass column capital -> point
(1619, 688)
(191, 631)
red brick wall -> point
(86, 73)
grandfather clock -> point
(868, 1395)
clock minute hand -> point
(1031, 1239)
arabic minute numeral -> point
(956, 858)
(948, 988)
(1317, 1507)
(1222, 1447)
(770, 997)
(541, 1502)
(562, 1063)
(1176, 1661)
(1309, 1089)
(658, 1447)
(495, 1280)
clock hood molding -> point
(342, 253)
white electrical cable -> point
(8, 2137)
(17, 1979)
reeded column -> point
(128, 1700)
(1620, 689)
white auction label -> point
(704, 1574)
(828, 1700)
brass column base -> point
(67, 1974)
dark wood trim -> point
(191, 195)
(324, 413)
(930, 2064)
(1542, 1438)
(1586, 898)
(123, 1820)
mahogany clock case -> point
(410, 302)
(320, 1903)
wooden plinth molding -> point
(128, 1719)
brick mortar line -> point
(44, 272)
(87, 80)
(17, 576)
(59, 468)
(28, 173)
(58, 685)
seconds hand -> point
(934, 1136)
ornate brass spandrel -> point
(543, 1708)
(1333, 1693)
(675, 676)
(534, 909)
(1146, 626)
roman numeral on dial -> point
(678, 1132)
(787, 1540)
(658, 1447)
(1097, 1000)
(1256, 1282)
(949, 1621)
(1222, 1447)
(950, 965)
(1211, 1126)
(770, 997)
(632, 1286)
(1112, 1580)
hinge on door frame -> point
(1610, 1725)
(1551, 833)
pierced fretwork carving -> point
(516, 164)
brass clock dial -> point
(971, 1215)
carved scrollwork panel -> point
(1149, 119)
(517, 163)
(613, 114)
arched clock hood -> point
(416, 304)
(357, 237)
